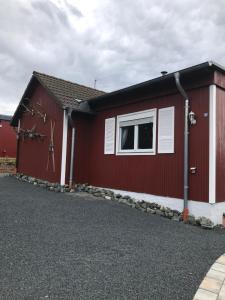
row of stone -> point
(55, 187)
(152, 208)
(148, 207)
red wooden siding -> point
(83, 147)
(220, 151)
(33, 154)
(7, 140)
(160, 174)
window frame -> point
(150, 113)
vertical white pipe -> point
(186, 154)
(212, 143)
(64, 147)
(18, 129)
(72, 157)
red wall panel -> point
(83, 147)
(33, 153)
(160, 174)
(7, 140)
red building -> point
(7, 138)
(132, 139)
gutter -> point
(186, 143)
(206, 66)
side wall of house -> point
(33, 154)
(160, 174)
(7, 140)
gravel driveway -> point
(57, 246)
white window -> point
(136, 133)
(166, 130)
(109, 147)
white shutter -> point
(109, 136)
(166, 130)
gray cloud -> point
(117, 42)
(74, 10)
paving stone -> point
(205, 295)
(222, 293)
(218, 267)
(221, 260)
(216, 275)
(211, 284)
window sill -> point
(135, 153)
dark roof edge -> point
(158, 79)
(13, 120)
(5, 117)
(68, 81)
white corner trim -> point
(212, 143)
(64, 147)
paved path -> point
(213, 285)
(55, 246)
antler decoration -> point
(28, 109)
(33, 110)
(41, 114)
(29, 133)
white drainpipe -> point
(72, 157)
(64, 147)
(212, 144)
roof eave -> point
(208, 64)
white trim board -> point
(109, 138)
(166, 120)
(64, 147)
(212, 143)
(199, 209)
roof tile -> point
(66, 92)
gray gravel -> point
(58, 246)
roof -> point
(203, 67)
(68, 94)
(73, 95)
(5, 118)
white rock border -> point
(107, 194)
(213, 285)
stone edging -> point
(213, 285)
(147, 207)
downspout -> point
(186, 140)
(72, 149)
(64, 148)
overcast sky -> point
(117, 42)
